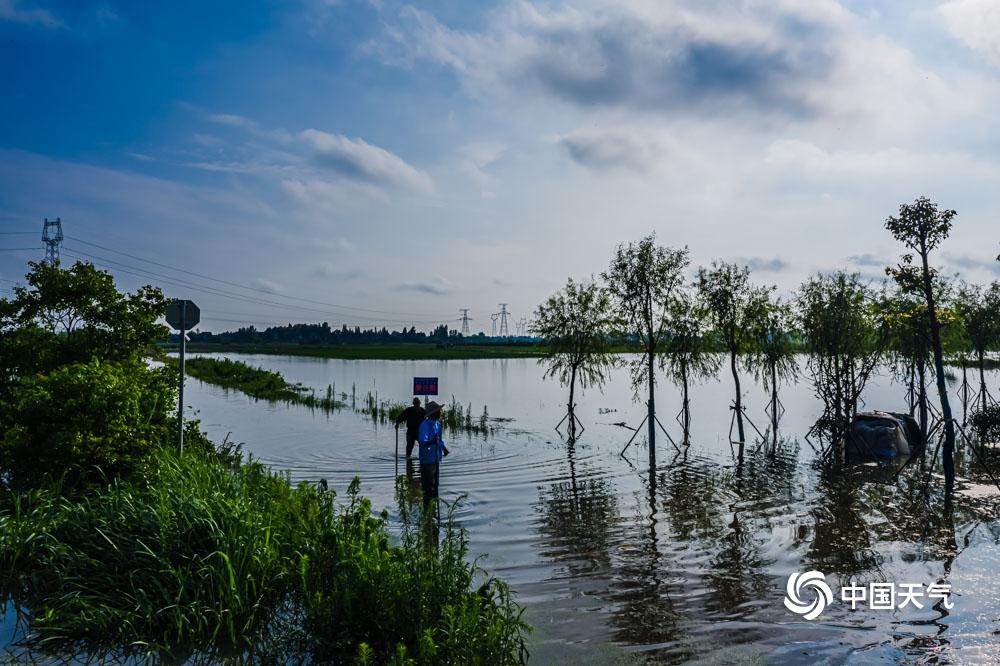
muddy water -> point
(616, 563)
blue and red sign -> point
(425, 386)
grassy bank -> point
(256, 382)
(270, 385)
(394, 352)
(211, 558)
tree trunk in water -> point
(685, 406)
(570, 406)
(982, 395)
(774, 404)
(922, 395)
(651, 413)
(965, 394)
(949, 425)
(739, 400)
(911, 398)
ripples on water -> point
(685, 564)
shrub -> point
(208, 558)
(85, 421)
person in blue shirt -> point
(432, 450)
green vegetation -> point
(211, 556)
(576, 326)
(114, 545)
(256, 382)
(375, 351)
(454, 417)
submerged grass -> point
(211, 558)
(257, 382)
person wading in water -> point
(432, 450)
(414, 416)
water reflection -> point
(682, 561)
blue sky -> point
(422, 158)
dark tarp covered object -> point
(883, 436)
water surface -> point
(616, 563)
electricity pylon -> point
(503, 314)
(465, 320)
(52, 236)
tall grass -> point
(257, 382)
(454, 416)
(211, 557)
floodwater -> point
(616, 564)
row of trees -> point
(324, 334)
(845, 326)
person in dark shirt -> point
(413, 416)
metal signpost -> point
(426, 386)
(183, 316)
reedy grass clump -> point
(212, 558)
(256, 382)
(454, 416)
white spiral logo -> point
(798, 582)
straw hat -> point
(432, 408)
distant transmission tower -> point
(493, 331)
(465, 320)
(522, 327)
(503, 314)
(52, 236)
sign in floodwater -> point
(425, 386)
(691, 562)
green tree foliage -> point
(735, 308)
(72, 315)
(688, 355)
(921, 227)
(643, 280)
(87, 421)
(772, 357)
(908, 347)
(76, 396)
(575, 328)
(979, 311)
(844, 339)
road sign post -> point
(183, 316)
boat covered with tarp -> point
(891, 438)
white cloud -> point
(267, 285)
(613, 148)
(474, 161)
(435, 286)
(977, 24)
(359, 160)
(14, 10)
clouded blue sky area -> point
(382, 162)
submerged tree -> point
(843, 337)
(909, 348)
(773, 356)
(922, 227)
(643, 279)
(575, 327)
(979, 310)
(734, 306)
(688, 354)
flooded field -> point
(615, 564)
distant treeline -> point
(324, 334)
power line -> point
(18, 249)
(215, 291)
(18, 233)
(238, 285)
